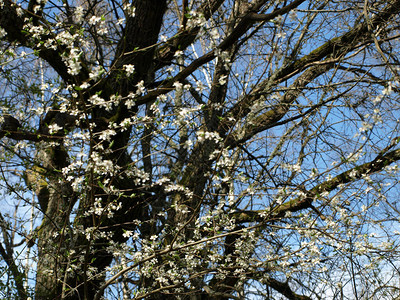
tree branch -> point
(335, 47)
(243, 26)
(305, 202)
(13, 24)
(184, 38)
(8, 258)
(284, 289)
(272, 116)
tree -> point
(211, 149)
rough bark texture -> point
(56, 200)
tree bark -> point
(56, 200)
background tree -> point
(219, 149)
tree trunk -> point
(55, 200)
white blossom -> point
(96, 72)
(73, 62)
(127, 233)
(205, 135)
(140, 88)
(79, 14)
(54, 128)
(178, 53)
(3, 33)
(129, 9)
(178, 86)
(94, 20)
(107, 134)
(129, 69)
(222, 80)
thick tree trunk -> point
(52, 245)
(56, 200)
(91, 253)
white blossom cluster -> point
(3, 33)
(205, 135)
(101, 209)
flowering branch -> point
(300, 203)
